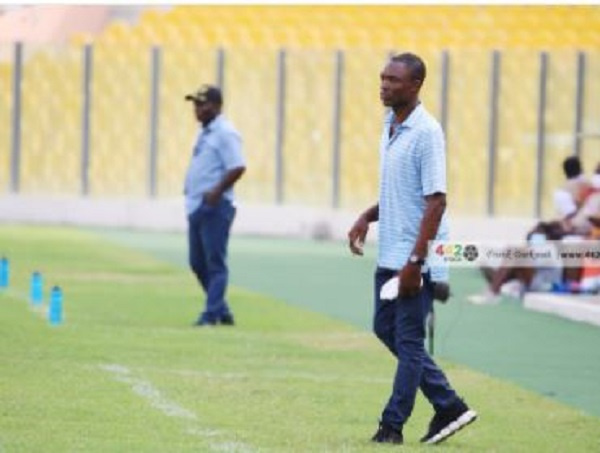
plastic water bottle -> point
(55, 308)
(37, 285)
(4, 272)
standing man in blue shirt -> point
(410, 212)
(216, 165)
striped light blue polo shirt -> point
(412, 165)
(217, 151)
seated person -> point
(578, 202)
(580, 224)
(570, 197)
(514, 279)
(579, 220)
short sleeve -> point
(564, 203)
(231, 151)
(433, 161)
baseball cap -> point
(206, 93)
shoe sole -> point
(465, 419)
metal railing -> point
(310, 120)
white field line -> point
(158, 401)
(150, 393)
(314, 377)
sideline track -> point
(552, 356)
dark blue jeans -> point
(400, 325)
(208, 237)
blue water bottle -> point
(37, 288)
(55, 308)
(4, 272)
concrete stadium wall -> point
(252, 219)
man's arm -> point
(432, 217)
(433, 181)
(410, 275)
(230, 178)
(358, 232)
(230, 152)
(371, 214)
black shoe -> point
(227, 320)
(387, 435)
(447, 422)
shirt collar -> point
(579, 178)
(412, 119)
(215, 123)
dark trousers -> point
(400, 325)
(208, 237)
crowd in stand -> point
(577, 227)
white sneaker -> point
(485, 298)
(513, 288)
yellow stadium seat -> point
(251, 36)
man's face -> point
(397, 87)
(205, 111)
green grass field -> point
(126, 372)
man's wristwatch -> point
(414, 259)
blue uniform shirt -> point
(413, 165)
(218, 150)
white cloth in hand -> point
(390, 289)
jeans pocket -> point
(207, 208)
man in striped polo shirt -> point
(410, 212)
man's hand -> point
(212, 198)
(410, 280)
(357, 235)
